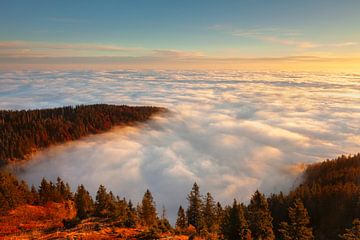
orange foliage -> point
(29, 218)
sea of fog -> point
(231, 132)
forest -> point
(23, 132)
(326, 205)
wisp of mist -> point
(231, 132)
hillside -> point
(325, 206)
(23, 132)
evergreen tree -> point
(84, 203)
(130, 219)
(219, 213)
(234, 225)
(298, 228)
(209, 212)
(148, 214)
(103, 202)
(260, 218)
(181, 219)
(352, 233)
(194, 211)
(44, 191)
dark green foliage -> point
(260, 218)
(84, 203)
(352, 233)
(50, 192)
(194, 212)
(147, 211)
(234, 225)
(181, 219)
(209, 212)
(298, 228)
(23, 131)
(104, 203)
(331, 194)
(130, 216)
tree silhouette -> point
(181, 219)
(84, 203)
(234, 225)
(194, 211)
(298, 227)
(102, 203)
(260, 218)
(147, 213)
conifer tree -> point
(352, 233)
(194, 211)
(260, 218)
(234, 225)
(219, 212)
(298, 227)
(103, 202)
(84, 203)
(181, 219)
(131, 217)
(148, 214)
(209, 212)
(44, 190)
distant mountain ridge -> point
(22, 132)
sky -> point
(277, 34)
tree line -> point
(325, 206)
(22, 132)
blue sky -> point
(212, 29)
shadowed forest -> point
(326, 205)
(23, 132)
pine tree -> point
(194, 211)
(103, 202)
(352, 233)
(84, 203)
(260, 218)
(234, 225)
(131, 217)
(298, 228)
(209, 212)
(181, 219)
(44, 191)
(219, 213)
(148, 214)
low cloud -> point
(232, 132)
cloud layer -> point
(232, 132)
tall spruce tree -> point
(298, 227)
(181, 219)
(194, 212)
(260, 218)
(234, 225)
(147, 213)
(209, 212)
(84, 203)
(102, 203)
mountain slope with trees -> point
(22, 132)
(325, 206)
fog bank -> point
(232, 132)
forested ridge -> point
(22, 132)
(325, 206)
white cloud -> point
(232, 132)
